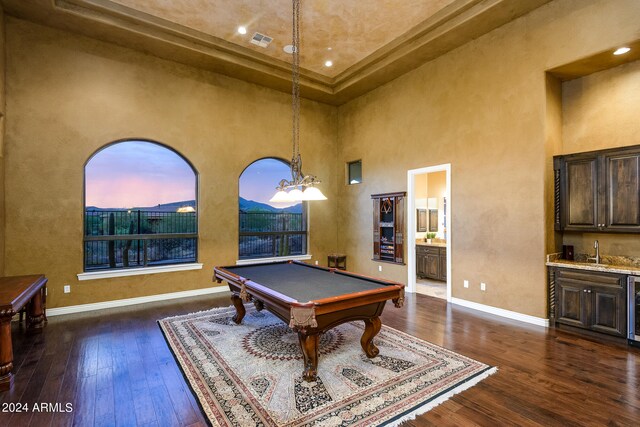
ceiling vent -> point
(261, 40)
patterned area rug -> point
(250, 374)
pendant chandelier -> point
(300, 187)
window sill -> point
(106, 274)
(273, 259)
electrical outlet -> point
(466, 283)
(483, 286)
(67, 289)
(379, 268)
(316, 262)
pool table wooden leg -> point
(372, 327)
(309, 346)
(240, 311)
(6, 353)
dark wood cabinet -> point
(622, 191)
(431, 262)
(598, 191)
(443, 264)
(591, 300)
(421, 220)
(421, 261)
(388, 227)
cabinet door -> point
(580, 196)
(572, 304)
(622, 183)
(421, 262)
(443, 264)
(422, 220)
(432, 266)
(608, 310)
(398, 217)
(376, 229)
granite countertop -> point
(437, 245)
(554, 261)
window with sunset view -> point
(269, 229)
(140, 207)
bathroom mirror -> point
(433, 220)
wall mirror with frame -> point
(421, 223)
(433, 220)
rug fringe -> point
(432, 404)
(208, 310)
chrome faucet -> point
(596, 245)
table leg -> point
(240, 311)
(44, 303)
(372, 327)
(6, 354)
(35, 315)
(309, 346)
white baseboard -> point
(538, 321)
(132, 301)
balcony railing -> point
(272, 234)
(121, 239)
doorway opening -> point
(428, 231)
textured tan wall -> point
(553, 145)
(437, 189)
(422, 186)
(482, 108)
(68, 95)
(2, 113)
(602, 110)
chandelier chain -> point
(295, 72)
(299, 182)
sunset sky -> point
(141, 174)
(137, 174)
(258, 182)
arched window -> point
(269, 229)
(140, 207)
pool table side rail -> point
(392, 290)
(220, 274)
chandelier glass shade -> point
(301, 187)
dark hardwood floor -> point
(114, 368)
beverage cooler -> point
(634, 310)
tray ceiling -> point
(343, 31)
(369, 42)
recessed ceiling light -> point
(328, 63)
(242, 29)
(329, 48)
(622, 50)
(288, 49)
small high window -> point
(140, 207)
(354, 172)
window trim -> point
(348, 172)
(247, 261)
(136, 271)
(305, 218)
(150, 269)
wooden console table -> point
(17, 292)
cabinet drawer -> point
(591, 278)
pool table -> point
(311, 300)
